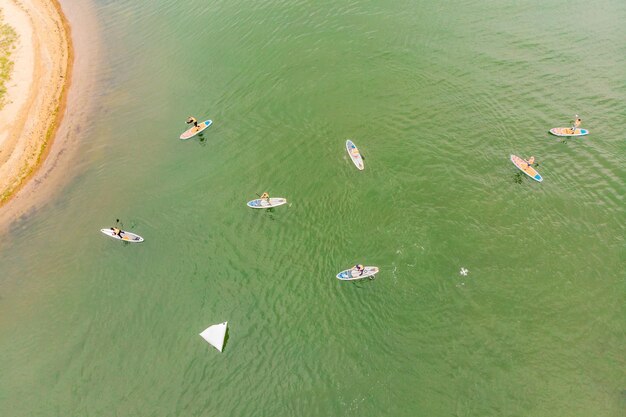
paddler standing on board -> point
(265, 196)
(193, 120)
(577, 122)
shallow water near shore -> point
(436, 96)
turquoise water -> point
(436, 96)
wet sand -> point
(37, 90)
(39, 133)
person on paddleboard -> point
(530, 162)
(265, 196)
(117, 232)
(193, 120)
(358, 268)
(577, 122)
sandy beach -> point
(37, 90)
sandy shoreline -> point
(36, 92)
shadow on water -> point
(270, 213)
(362, 283)
(226, 337)
(201, 139)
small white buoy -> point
(464, 271)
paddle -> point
(119, 225)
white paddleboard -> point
(263, 204)
(353, 275)
(193, 131)
(126, 236)
(355, 155)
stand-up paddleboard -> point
(355, 155)
(353, 275)
(526, 168)
(567, 131)
(192, 131)
(126, 236)
(262, 203)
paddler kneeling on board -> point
(265, 196)
(529, 162)
(359, 269)
(193, 120)
(577, 122)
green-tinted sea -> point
(437, 95)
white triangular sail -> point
(215, 335)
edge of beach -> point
(25, 193)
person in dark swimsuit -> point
(359, 268)
(193, 120)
